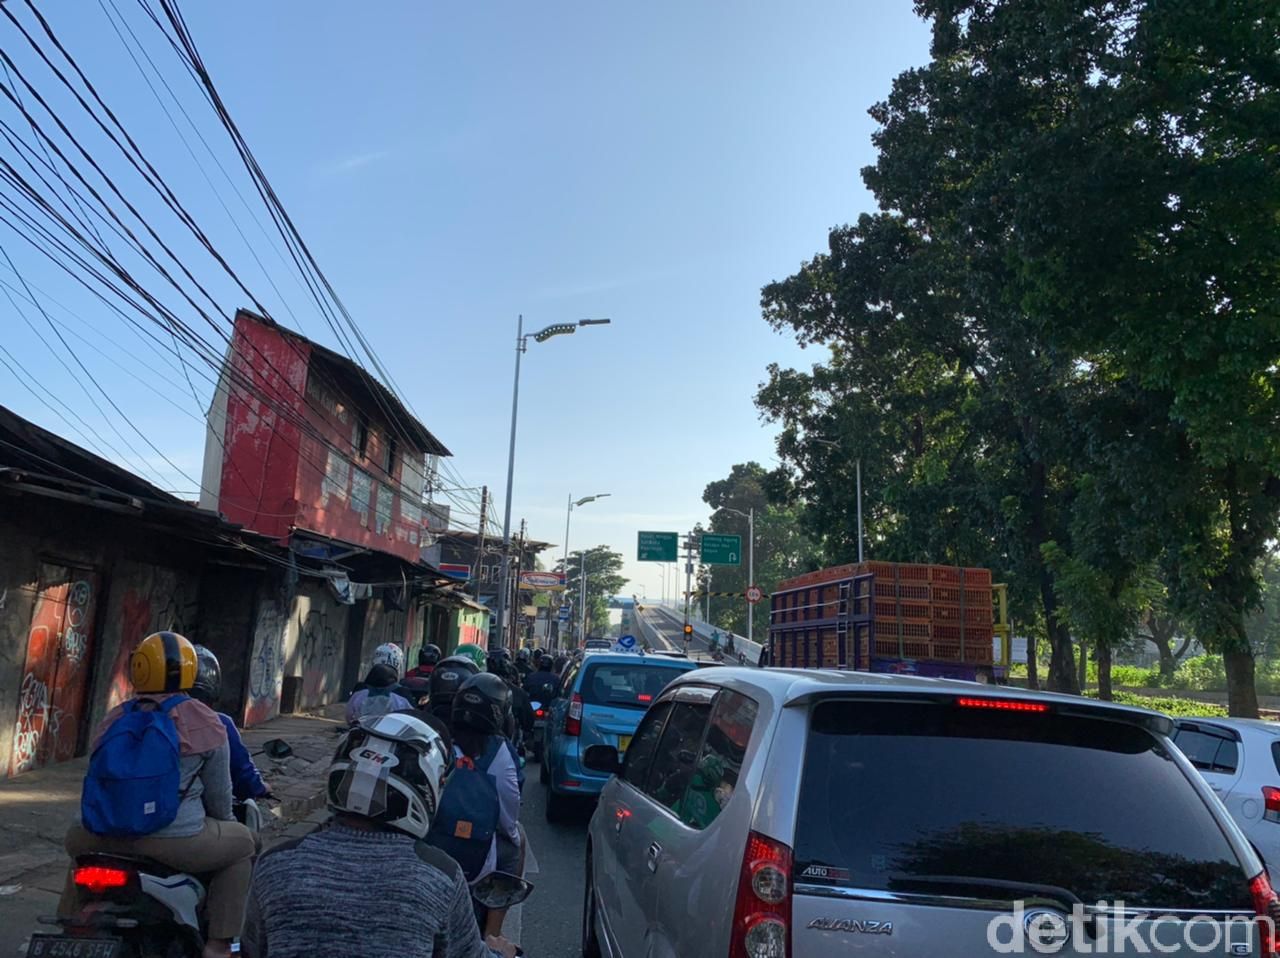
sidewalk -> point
(37, 807)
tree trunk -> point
(1104, 672)
(1242, 696)
(1033, 667)
(1062, 673)
(1082, 667)
(1062, 668)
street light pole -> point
(750, 565)
(522, 343)
(567, 514)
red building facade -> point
(302, 440)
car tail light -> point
(1267, 907)
(96, 879)
(540, 713)
(642, 697)
(762, 913)
(1271, 803)
(573, 718)
(1002, 705)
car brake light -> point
(97, 879)
(540, 713)
(573, 718)
(642, 697)
(1267, 907)
(1271, 801)
(762, 912)
(1002, 705)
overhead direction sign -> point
(658, 546)
(720, 550)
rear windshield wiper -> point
(1012, 889)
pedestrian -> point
(332, 892)
(190, 829)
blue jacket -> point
(245, 780)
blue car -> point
(602, 700)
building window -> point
(390, 464)
(361, 438)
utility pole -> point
(484, 511)
(515, 592)
(688, 575)
(582, 593)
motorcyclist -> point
(478, 715)
(203, 839)
(388, 654)
(519, 725)
(446, 680)
(428, 656)
(378, 695)
(246, 780)
(473, 652)
(543, 685)
(328, 893)
(523, 665)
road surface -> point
(550, 923)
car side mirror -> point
(603, 758)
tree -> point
(1065, 298)
(603, 581)
(782, 547)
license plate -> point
(624, 742)
(63, 946)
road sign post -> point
(657, 546)
(721, 549)
(755, 594)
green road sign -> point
(721, 550)
(658, 546)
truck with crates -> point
(932, 620)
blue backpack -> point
(467, 818)
(132, 787)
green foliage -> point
(1170, 705)
(782, 547)
(603, 581)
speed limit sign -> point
(755, 594)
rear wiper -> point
(1021, 889)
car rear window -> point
(937, 799)
(625, 684)
(1207, 750)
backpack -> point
(133, 784)
(467, 818)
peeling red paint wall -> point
(262, 440)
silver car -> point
(1240, 759)
(798, 814)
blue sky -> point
(454, 165)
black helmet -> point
(429, 655)
(208, 684)
(447, 677)
(481, 704)
(522, 655)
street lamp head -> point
(585, 499)
(594, 322)
(557, 329)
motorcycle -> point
(495, 891)
(133, 907)
(539, 728)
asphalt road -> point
(551, 920)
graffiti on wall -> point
(140, 615)
(320, 655)
(265, 667)
(54, 686)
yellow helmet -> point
(163, 662)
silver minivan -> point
(777, 813)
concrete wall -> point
(319, 627)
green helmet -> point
(474, 653)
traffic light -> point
(688, 629)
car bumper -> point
(568, 777)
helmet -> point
(473, 652)
(429, 655)
(390, 654)
(446, 678)
(390, 769)
(481, 704)
(522, 655)
(208, 684)
(163, 662)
